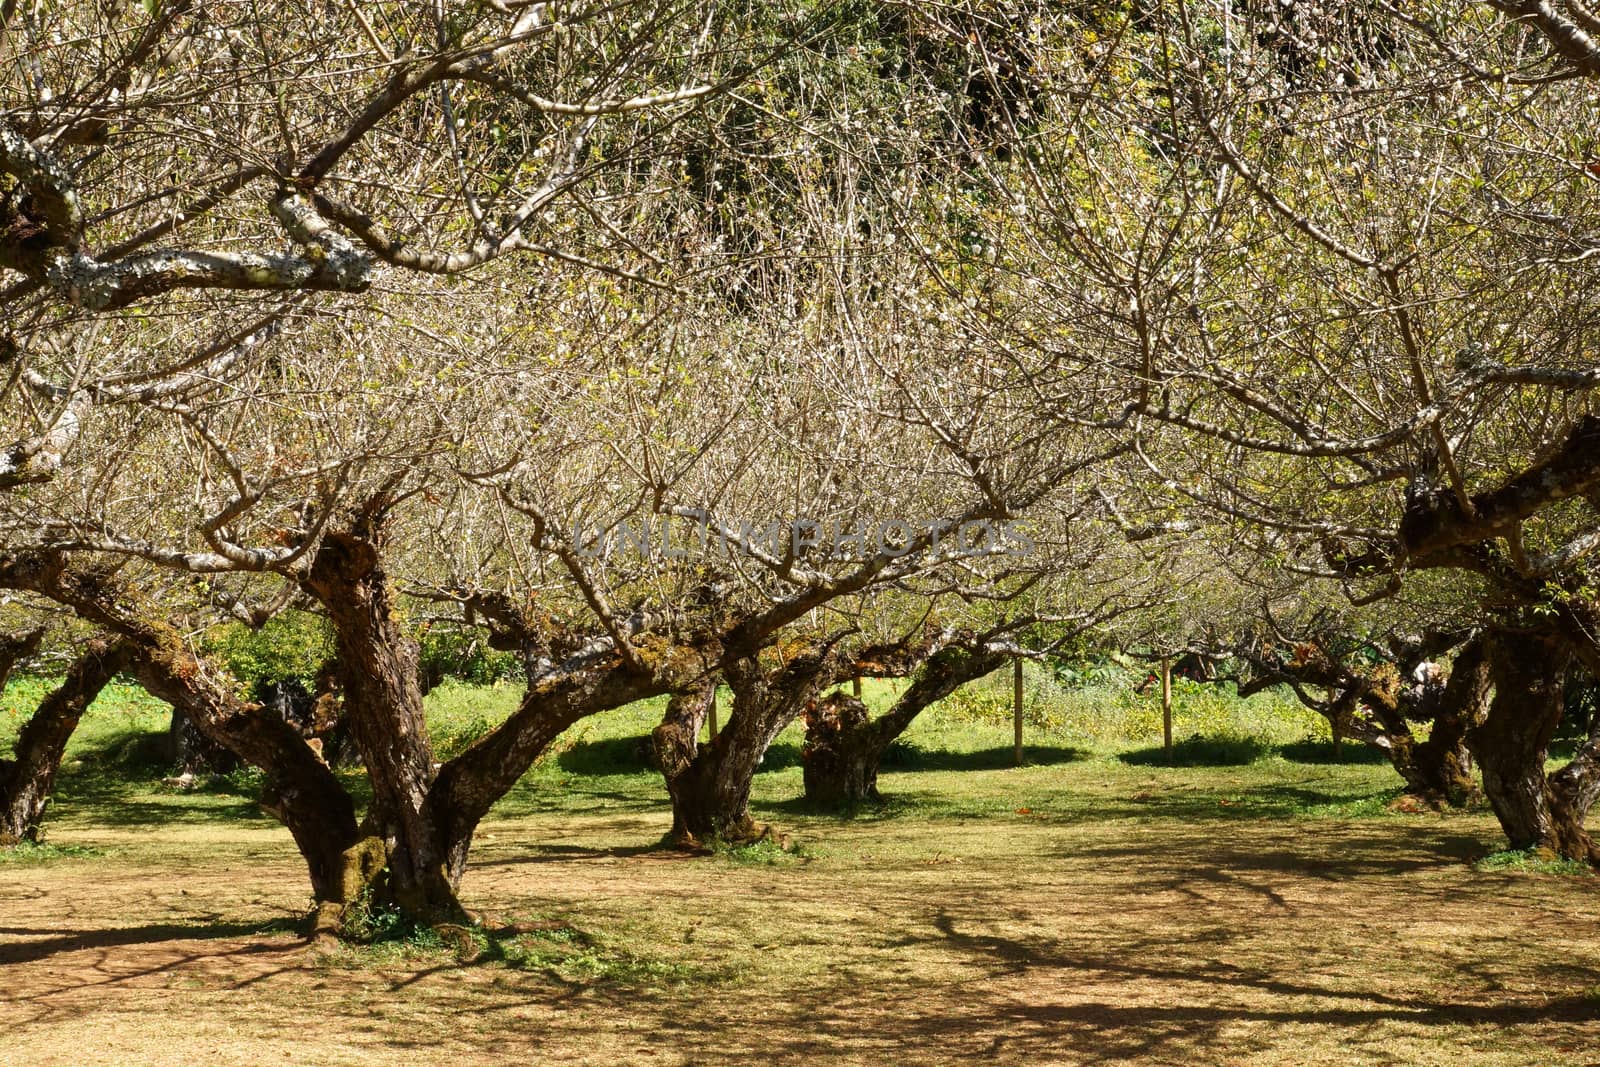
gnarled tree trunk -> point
(468, 785)
(710, 784)
(1513, 740)
(677, 745)
(844, 745)
(383, 706)
(1442, 769)
(1573, 791)
(301, 791)
(27, 779)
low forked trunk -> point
(844, 745)
(710, 784)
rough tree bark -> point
(1573, 791)
(1440, 768)
(27, 779)
(383, 706)
(1513, 741)
(844, 745)
(677, 745)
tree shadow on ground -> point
(636, 755)
(1321, 752)
(52, 942)
(910, 757)
(1201, 752)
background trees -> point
(1291, 263)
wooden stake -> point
(1166, 706)
(856, 687)
(1016, 709)
(711, 716)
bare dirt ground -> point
(1013, 940)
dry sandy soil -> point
(1026, 939)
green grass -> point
(1089, 754)
(34, 852)
(1531, 861)
(554, 949)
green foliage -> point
(766, 852)
(459, 714)
(577, 957)
(382, 933)
(464, 655)
(124, 730)
(377, 935)
(294, 644)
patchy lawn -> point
(1082, 910)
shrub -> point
(294, 644)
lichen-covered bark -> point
(1370, 704)
(425, 816)
(27, 779)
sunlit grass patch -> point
(1531, 861)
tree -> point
(430, 143)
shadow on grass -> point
(911, 757)
(140, 803)
(636, 755)
(1262, 801)
(611, 755)
(1242, 751)
(536, 852)
(1201, 752)
(59, 941)
(1321, 752)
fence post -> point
(1016, 709)
(1166, 707)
